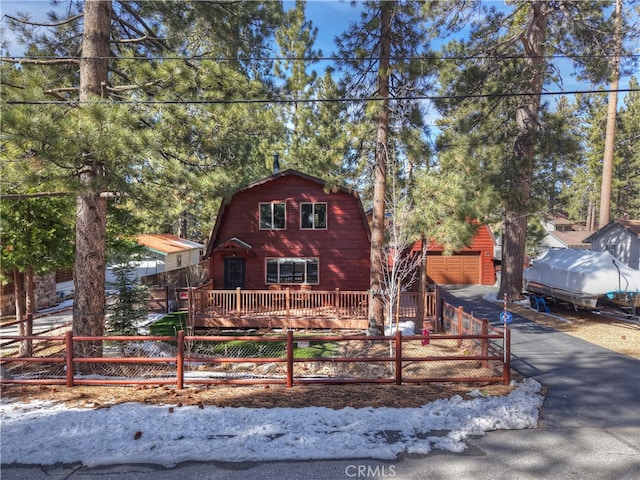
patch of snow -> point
(136, 433)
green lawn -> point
(172, 323)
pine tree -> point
(383, 58)
(510, 52)
(131, 303)
(95, 145)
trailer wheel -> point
(533, 302)
(542, 306)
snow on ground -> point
(46, 433)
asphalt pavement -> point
(589, 426)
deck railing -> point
(291, 308)
(239, 303)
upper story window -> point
(313, 215)
(272, 216)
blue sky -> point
(332, 17)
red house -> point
(472, 265)
(288, 230)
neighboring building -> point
(289, 230)
(170, 260)
(621, 238)
(171, 252)
(560, 232)
(472, 265)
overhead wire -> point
(314, 100)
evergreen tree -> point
(37, 239)
(383, 59)
(96, 144)
(627, 173)
(510, 51)
(131, 302)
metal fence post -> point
(485, 342)
(180, 361)
(459, 332)
(438, 306)
(506, 368)
(289, 358)
(398, 355)
(68, 342)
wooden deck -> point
(296, 309)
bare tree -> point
(401, 267)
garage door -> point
(454, 270)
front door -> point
(233, 272)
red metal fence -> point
(473, 351)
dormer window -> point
(313, 216)
(272, 216)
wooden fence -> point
(290, 358)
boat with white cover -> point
(582, 277)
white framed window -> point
(611, 248)
(313, 216)
(273, 216)
(292, 271)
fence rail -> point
(472, 351)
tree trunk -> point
(376, 308)
(610, 134)
(527, 124)
(91, 213)
(591, 215)
(19, 300)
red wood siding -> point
(473, 271)
(342, 249)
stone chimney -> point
(276, 163)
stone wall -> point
(45, 293)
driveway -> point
(589, 427)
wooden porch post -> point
(288, 305)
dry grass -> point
(331, 396)
(617, 334)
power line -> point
(308, 100)
(17, 59)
